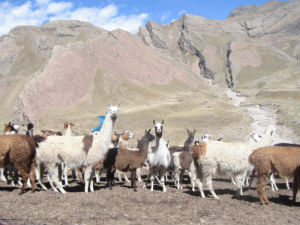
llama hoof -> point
(22, 192)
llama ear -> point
(149, 131)
(154, 122)
(163, 121)
(187, 130)
(194, 131)
(118, 104)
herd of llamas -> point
(26, 159)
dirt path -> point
(262, 117)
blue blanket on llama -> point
(101, 120)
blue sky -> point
(112, 14)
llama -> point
(68, 132)
(183, 161)
(282, 159)
(9, 128)
(158, 158)
(77, 151)
(125, 136)
(19, 149)
(296, 183)
(227, 159)
(271, 177)
(127, 160)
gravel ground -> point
(124, 206)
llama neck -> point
(188, 145)
(68, 131)
(143, 148)
(104, 137)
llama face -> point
(256, 137)
(158, 128)
(205, 137)
(113, 111)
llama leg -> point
(192, 176)
(163, 183)
(239, 179)
(251, 177)
(39, 171)
(87, 178)
(66, 175)
(287, 183)
(51, 183)
(32, 177)
(3, 178)
(261, 189)
(208, 181)
(119, 176)
(133, 179)
(92, 180)
(296, 183)
(126, 178)
(24, 175)
(53, 178)
(152, 182)
(200, 187)
(273, 183)
(233, 181)
(56, 180)
(97, 176)
(138, 173)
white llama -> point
(158, 157)
(77, 151)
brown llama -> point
(281, 159)
(127, 160)
(19, 149)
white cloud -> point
(37, 12)
(165, 16)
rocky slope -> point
(254, 52)
(70, 70)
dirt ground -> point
(124, 206)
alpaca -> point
(77, 151)
(158, 158)
(127, 160)
(19, 149)
(281, 159)
(227, 159)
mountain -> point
(180, 72)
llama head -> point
(68, 125)
(256, 137)
(191, 135)
(158, 128)
(270, 130)
(29, 131)
(148, 135)
(205, 137)
(113, 111)
(197, 142)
